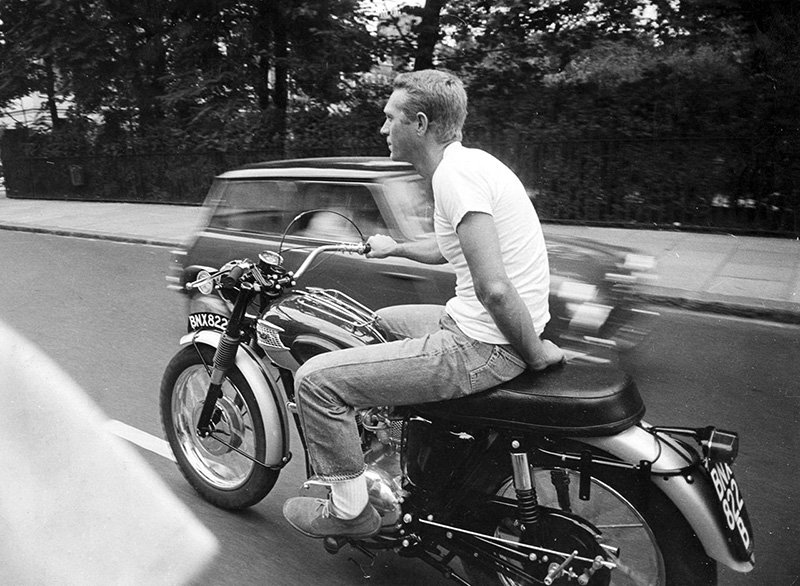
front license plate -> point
(204, 321)
(732, 506)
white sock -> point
(349, 497)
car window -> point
(412, 204)
(270, 206)
(254, 206)
(334, 202)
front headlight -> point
(207, 287)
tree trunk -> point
(262, 46)
(280, 91)
(52, 107)
(428, 34)
(275, 19)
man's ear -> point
(422, 123)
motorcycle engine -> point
(381, 440)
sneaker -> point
(312, 517)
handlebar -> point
(233, 271)
(354, 247)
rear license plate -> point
(731, 503)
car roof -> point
(323, 167)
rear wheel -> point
(220, 473)
(650, 544)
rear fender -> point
(693, 493)
(267, 388)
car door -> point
(294, 215)
(350, 211)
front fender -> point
(693, 494)
(267, 389)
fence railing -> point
(732, 184)
(737, 185)
(153, 177)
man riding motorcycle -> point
(488, 333)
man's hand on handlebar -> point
(381, 246)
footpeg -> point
(334, 544)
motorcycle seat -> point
(574, 400)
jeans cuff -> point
(328, 478)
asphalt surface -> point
(748, 276)
(101, 311)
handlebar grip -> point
(365, 248)
(233, 277)
(236, 273)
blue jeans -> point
(434, 362)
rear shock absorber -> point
(527, 501)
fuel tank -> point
(311, 321)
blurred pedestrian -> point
(77, 504)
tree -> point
(428, 34)
(182, 63)
(40, 42)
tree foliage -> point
(216, 68)
(190, 64)
(551, 82)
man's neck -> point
(429, 159)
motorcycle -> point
(551, 478)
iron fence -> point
(727, 184)
(153, 177)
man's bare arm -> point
(425, 250)
(481, 246)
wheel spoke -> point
(607, 511)
(221, 466)
(213, 460)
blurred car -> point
(260, 207)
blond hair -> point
(440, 96)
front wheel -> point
(647, 537)
(220, 473)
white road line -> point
(140, 438)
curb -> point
(730, 308)
(92, 235)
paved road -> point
(716, 272)
(102, 311)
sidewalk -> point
(739, 275)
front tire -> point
(222, 476)
(656, 544)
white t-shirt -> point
(471, 180)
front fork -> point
(224, 359)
